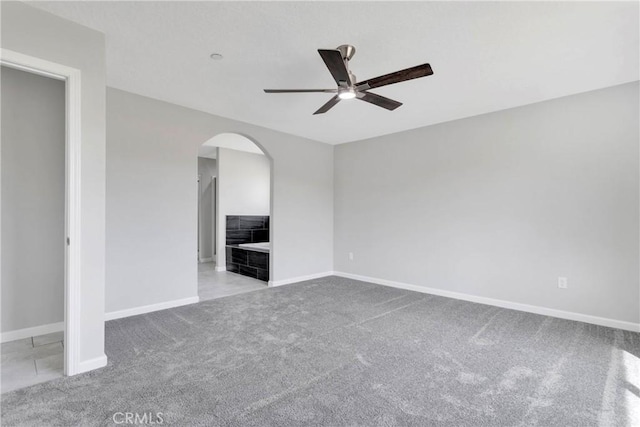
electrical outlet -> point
(350, 256)
(563, 283)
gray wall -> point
(36, 33)
(33, 191)
(151, 199)
(207, 168)
(500, 205)
(243, 189)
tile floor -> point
(31, 361)
(216, 284)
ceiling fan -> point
(337, 61)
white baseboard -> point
(299, 279)
(587, 318)
(149, 308)
(221, 268)
(31, 332)
(91, 364)
(203, 260)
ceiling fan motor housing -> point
(347, 51)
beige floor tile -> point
(16, 346)
(31, 365)
(18, 383)
(48, 338)
(50, 365)
(33, 353)
(17, 374)
(217, 284)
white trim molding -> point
(273, 283)
(150, 308)
(221, 268)
(568, 315)
(31, 332)
(73, 211)
(91, 364)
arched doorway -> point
(234, 216)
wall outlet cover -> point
(563, 283)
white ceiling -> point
(486, 56)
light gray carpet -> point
(339, 352)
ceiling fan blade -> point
(335, 63)
(397, 77)
(378, 100)
(300, 90)
(326, 107)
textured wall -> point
(501, 205)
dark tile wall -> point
(248, 263)
(247, 229)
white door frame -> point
(214, 246)
(73, 140)
(199, 257)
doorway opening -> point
(234, 217)
(68, 331)
(33, 228)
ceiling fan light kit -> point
(347, 93)
(337, 61)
